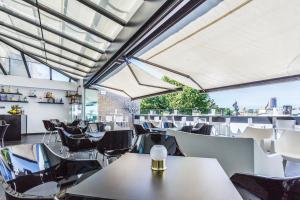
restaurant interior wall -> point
(36, 112)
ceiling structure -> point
(208, 45)
(235, 44)
(232, 44)
(73, 37)
(135, 83)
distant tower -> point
(273, 103)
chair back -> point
(62, 137)
(73, 130)
(257, 134)
(22, 170)
(206, 129)
(168, 125)
(75, 122)
(187, 129)
(139, 129)
(49, 126)
(101, 126)
(146, 141)
(148, 125)
(115, 140)
(282, 124)
(266, 188)
(198, 125)
(288, 144)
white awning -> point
(236, 42)
(134, 82)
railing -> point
(221, 112)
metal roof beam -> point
(116, 89)
(42, 49)
(169, 70)
(147, 17)
(69, 20)
(58, 62)
(138, 81)
(47, 41)
(3, 70)
(25, 64)
(39, 60)
(103, 12)
(37, 24)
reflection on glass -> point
(25, 159)
(91, 105)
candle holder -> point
(158, 154)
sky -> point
(287, 93)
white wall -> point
(35, 111)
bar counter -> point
(18, 126)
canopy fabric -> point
(134, 82)
(236, 42)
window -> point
(56, 76)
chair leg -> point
(107, 161)
(43, 140)
(49, 137)
(56, 136)
(2, 142)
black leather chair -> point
(187, 129)
(56, 122)
(76, 122)
(3, 129)
(146, 141)
(204, 130)
(168, 125)
(96, 127)
(140, 130)
(33, 171)
(148, 125)
(263, 188)
(73, 130)
(197, 127)
(76, 143)
(50, 129)
(101, 126)
(115, 143)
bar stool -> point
(3, 129)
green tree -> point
(185, 101)
(154, 103)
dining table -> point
(130, 178)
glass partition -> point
(91, 105)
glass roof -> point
(69, 36)
(13, 64)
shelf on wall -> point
(74, 95)
(75, 103)
(50, 102)
(14, 101)
(12, 93)
(32, 96)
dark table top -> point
(131, 178)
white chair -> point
(236, 155)
(263, 137)
(285, 124)
(288, 146)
